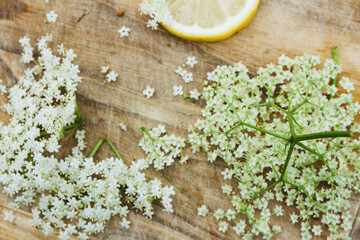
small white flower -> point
(61, 49)
(9, 216)
(316, 229)
(278, 210)
(181, 71)
(104, 69)
(294, 218)
(178, 90)
(223, 226)
(24, 41)
(347, 84)
(124, 31)
(202, 211)
(158, 10)
(240, 227)
(111, 76)
(64, 235)
(191, 61)
(188, 77)
(2, 88)
(276, 229)
(51, 16)
(122, 126)
(125, 223)
(226, 189)
(148, 92)
(195, 94)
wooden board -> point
(149, 58)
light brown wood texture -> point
(149, 58)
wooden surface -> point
(149, 58)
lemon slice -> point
(209, 20)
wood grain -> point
(149, 58)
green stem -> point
(259, 193)
(96, 148)
(114, 149)
(143, 129)
(308, 149)
(266, 131)
(99, 143)
(288, 158)
(249, 125)
(322, 135)
(291, 123)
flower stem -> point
(99, 143)
(266, 131)
(96, 148)
(322, 135)
(286, 164)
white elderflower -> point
(316, 229)
(278, 210)
(158, 12)
(124, 31)
(27, 55)
(195, 94)
(148, 92)
(188, 77)
(240, 227)
(2, 88)
(122, 126)
(111, 76)
(347, 84)
(249, 123)
(181, 71)
(191, 61)
(223, 226)
(202, 211)
(9, 216)
(226, 189)
(51, 16)
(276, 229)
(161, 149)
(104, 69)
(294, 218)
(63, 235)
(64, 194)
(125, 223)
(178, 90)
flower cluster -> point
(284, 136)
(158, 11)
(161, 149)
(185, 75)
(74, 194)
(27, 55)
(111, 76)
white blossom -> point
(124, 31)
(51, 16)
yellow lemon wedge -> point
(209, 20)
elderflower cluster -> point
(74, 194)
(161, 149)
(242, 121)
(111, 76)
(158, 10)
